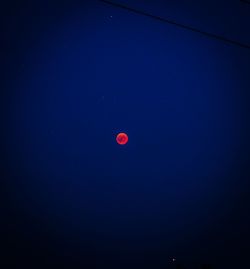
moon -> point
(122, 138)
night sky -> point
(175, 77)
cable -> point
(221, 38)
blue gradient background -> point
(73, 76)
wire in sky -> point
(183, 26)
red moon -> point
(122, 139)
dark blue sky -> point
(76, 74)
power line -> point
(190, 28)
